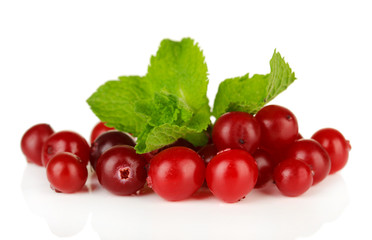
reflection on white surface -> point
(264, 214)
(66, 214)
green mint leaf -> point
(113, 103)
(179, 68)
(250, 94)
(197, 138)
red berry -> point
(207, 152)
(336, 146)
(98, 130)
(265, 164)
(121, 170)
(312, 153)
(279, 127)
(299, 136)
(33, 140)
(66, 172)
(231, 175)
(293, 177)
(236, 130)
(65, 141)
(107, 140)
(176, 173)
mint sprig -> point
(171, 102)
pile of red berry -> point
(244, 152)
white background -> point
(54, 54)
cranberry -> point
(293, 177)
(98, 130)
(208, 133)
(121, 170)
(65, 141)
(231, 175)
(236, 130)
(176, 173)
(66, 172)
(277, 155)
(279, 127)
(107, 140)
(33, 140)
(207, 152)
(265, 164)
(312, 153)
(336, 146)
(148, 156)
(299, 136)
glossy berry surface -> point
(312, 153)
(121, 170)
(33, 140)
(236, 130)
(265, 164)
(231, 175)
(299, 136)
(66, 173)
(176, 173)
(293, 177)
(65, 141)
(107, 140)
(207, 152)
(279, 127)
(98, 129)
(336, 146)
